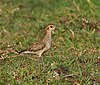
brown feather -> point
(37, 46)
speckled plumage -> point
(43, 45)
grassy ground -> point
(75, 54)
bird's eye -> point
(51, 26)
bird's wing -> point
(37, 46)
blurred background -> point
(76, 42)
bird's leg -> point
(43, 62)
(39, 61)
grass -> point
(75, 54)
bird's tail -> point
(25, 52)
(19, 52)
(22, 51)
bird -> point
(43, 44)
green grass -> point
(22, 22)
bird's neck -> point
(47, 38)
(48, 35)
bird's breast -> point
(47, 41)
(48, 44)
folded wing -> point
(37, 46)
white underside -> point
(28, 52)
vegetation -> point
(75, 54)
